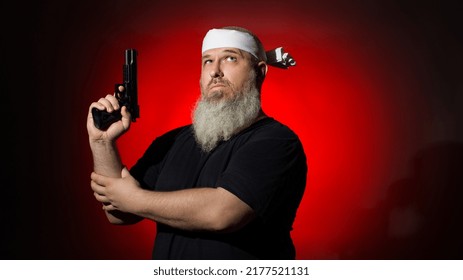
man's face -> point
(224, 73)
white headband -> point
(225, 38)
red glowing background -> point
(366, 98)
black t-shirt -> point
(264, 165)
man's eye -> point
(231, 58)
(207, 61)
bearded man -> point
(225, 187)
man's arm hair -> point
(107, 162)
(210, 209)
(202, 208)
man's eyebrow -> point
(232, 51)
(205, 56)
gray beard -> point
(216, 121)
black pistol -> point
(128, 97)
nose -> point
(216, 72)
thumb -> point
(125, 172)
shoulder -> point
(176, 131)
(171, 135)
(269, 137)
(166, 140)
(160, 146)
(270, 128)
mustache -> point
(215, 81)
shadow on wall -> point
(422, 215)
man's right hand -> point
(109, 104)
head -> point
(238, 46)
(233, 69)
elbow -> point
(228, 221)
(121, 218)
(116, 222)
(228, 213)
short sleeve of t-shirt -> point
(146, 169)
(272, 163)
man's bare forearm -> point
(210, 209)
(106, 159)
(107, 162)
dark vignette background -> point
(46, 213)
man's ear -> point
(262, 69)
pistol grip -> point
(103, 119)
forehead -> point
(219, 51)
